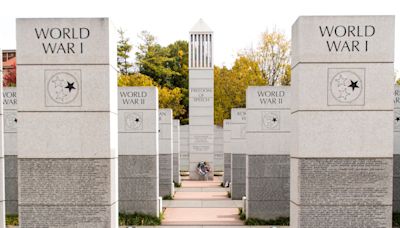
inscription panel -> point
(345, 181)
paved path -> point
(202, 203)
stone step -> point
(202, 203)
(201, 196)
(201, 216)
(200, 189)
(201, 184)
(192, 226)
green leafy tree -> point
(231, 84)
(272, 56)
(287, 77)
(123, 49)
(152, 60)
(136, 79)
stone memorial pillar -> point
(138, 150)
(227, 151)
(176, 157)
(268, 162)
(166, 152)
(184, 147)
(10, 149)
(238, 145)
(396, 155)
(342, 108)
(2, 168)
(201, 99)
(67, 123)
(218, 149)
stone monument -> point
(2, 168)
(268, 150)
(166, 152)
(342, 112)
(201, 99)
(138, 150)
(218, 148)
(396, 155)
(184, 147)
(227, 151)
(67, 123)
(176, 157)
(238, 146)
(10, 149)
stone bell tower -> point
(201, 98)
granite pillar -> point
(10, 149)
(176, 157)
(218, 149)
(67, 123)
(227, 151)
(166, 152)
(268, 162)
(342, 111)
(238, 145)
(138, 150)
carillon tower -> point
(201, 98)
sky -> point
(237, 24)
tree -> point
(231, 84)
(178, 52)
(152, 59)
(272, 56)
(287, 77)
(10, 76)
(123, 49)
(136, 79)
(172, 98)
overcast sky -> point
(237, 24)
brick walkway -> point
(187, 209)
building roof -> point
(200, 26)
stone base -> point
(138, 184)
(341, 192)
(268, 191)
(67, 192)
(238, 189)
(396, 183)
(165, 169)
(227, 167)
(11, 184)
(176, 171)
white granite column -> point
(396, 154)
(238, 143)
(218, 149)
(176, 157)
(138, 150)
(268, 150)
(10, 149)
(227, 151)
(2, 168)
(342, 150)
(184, 146)
(166, 152)
(67, 123)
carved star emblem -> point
(58, 82)
(341, 80)
(353, 84)
(70, 86)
